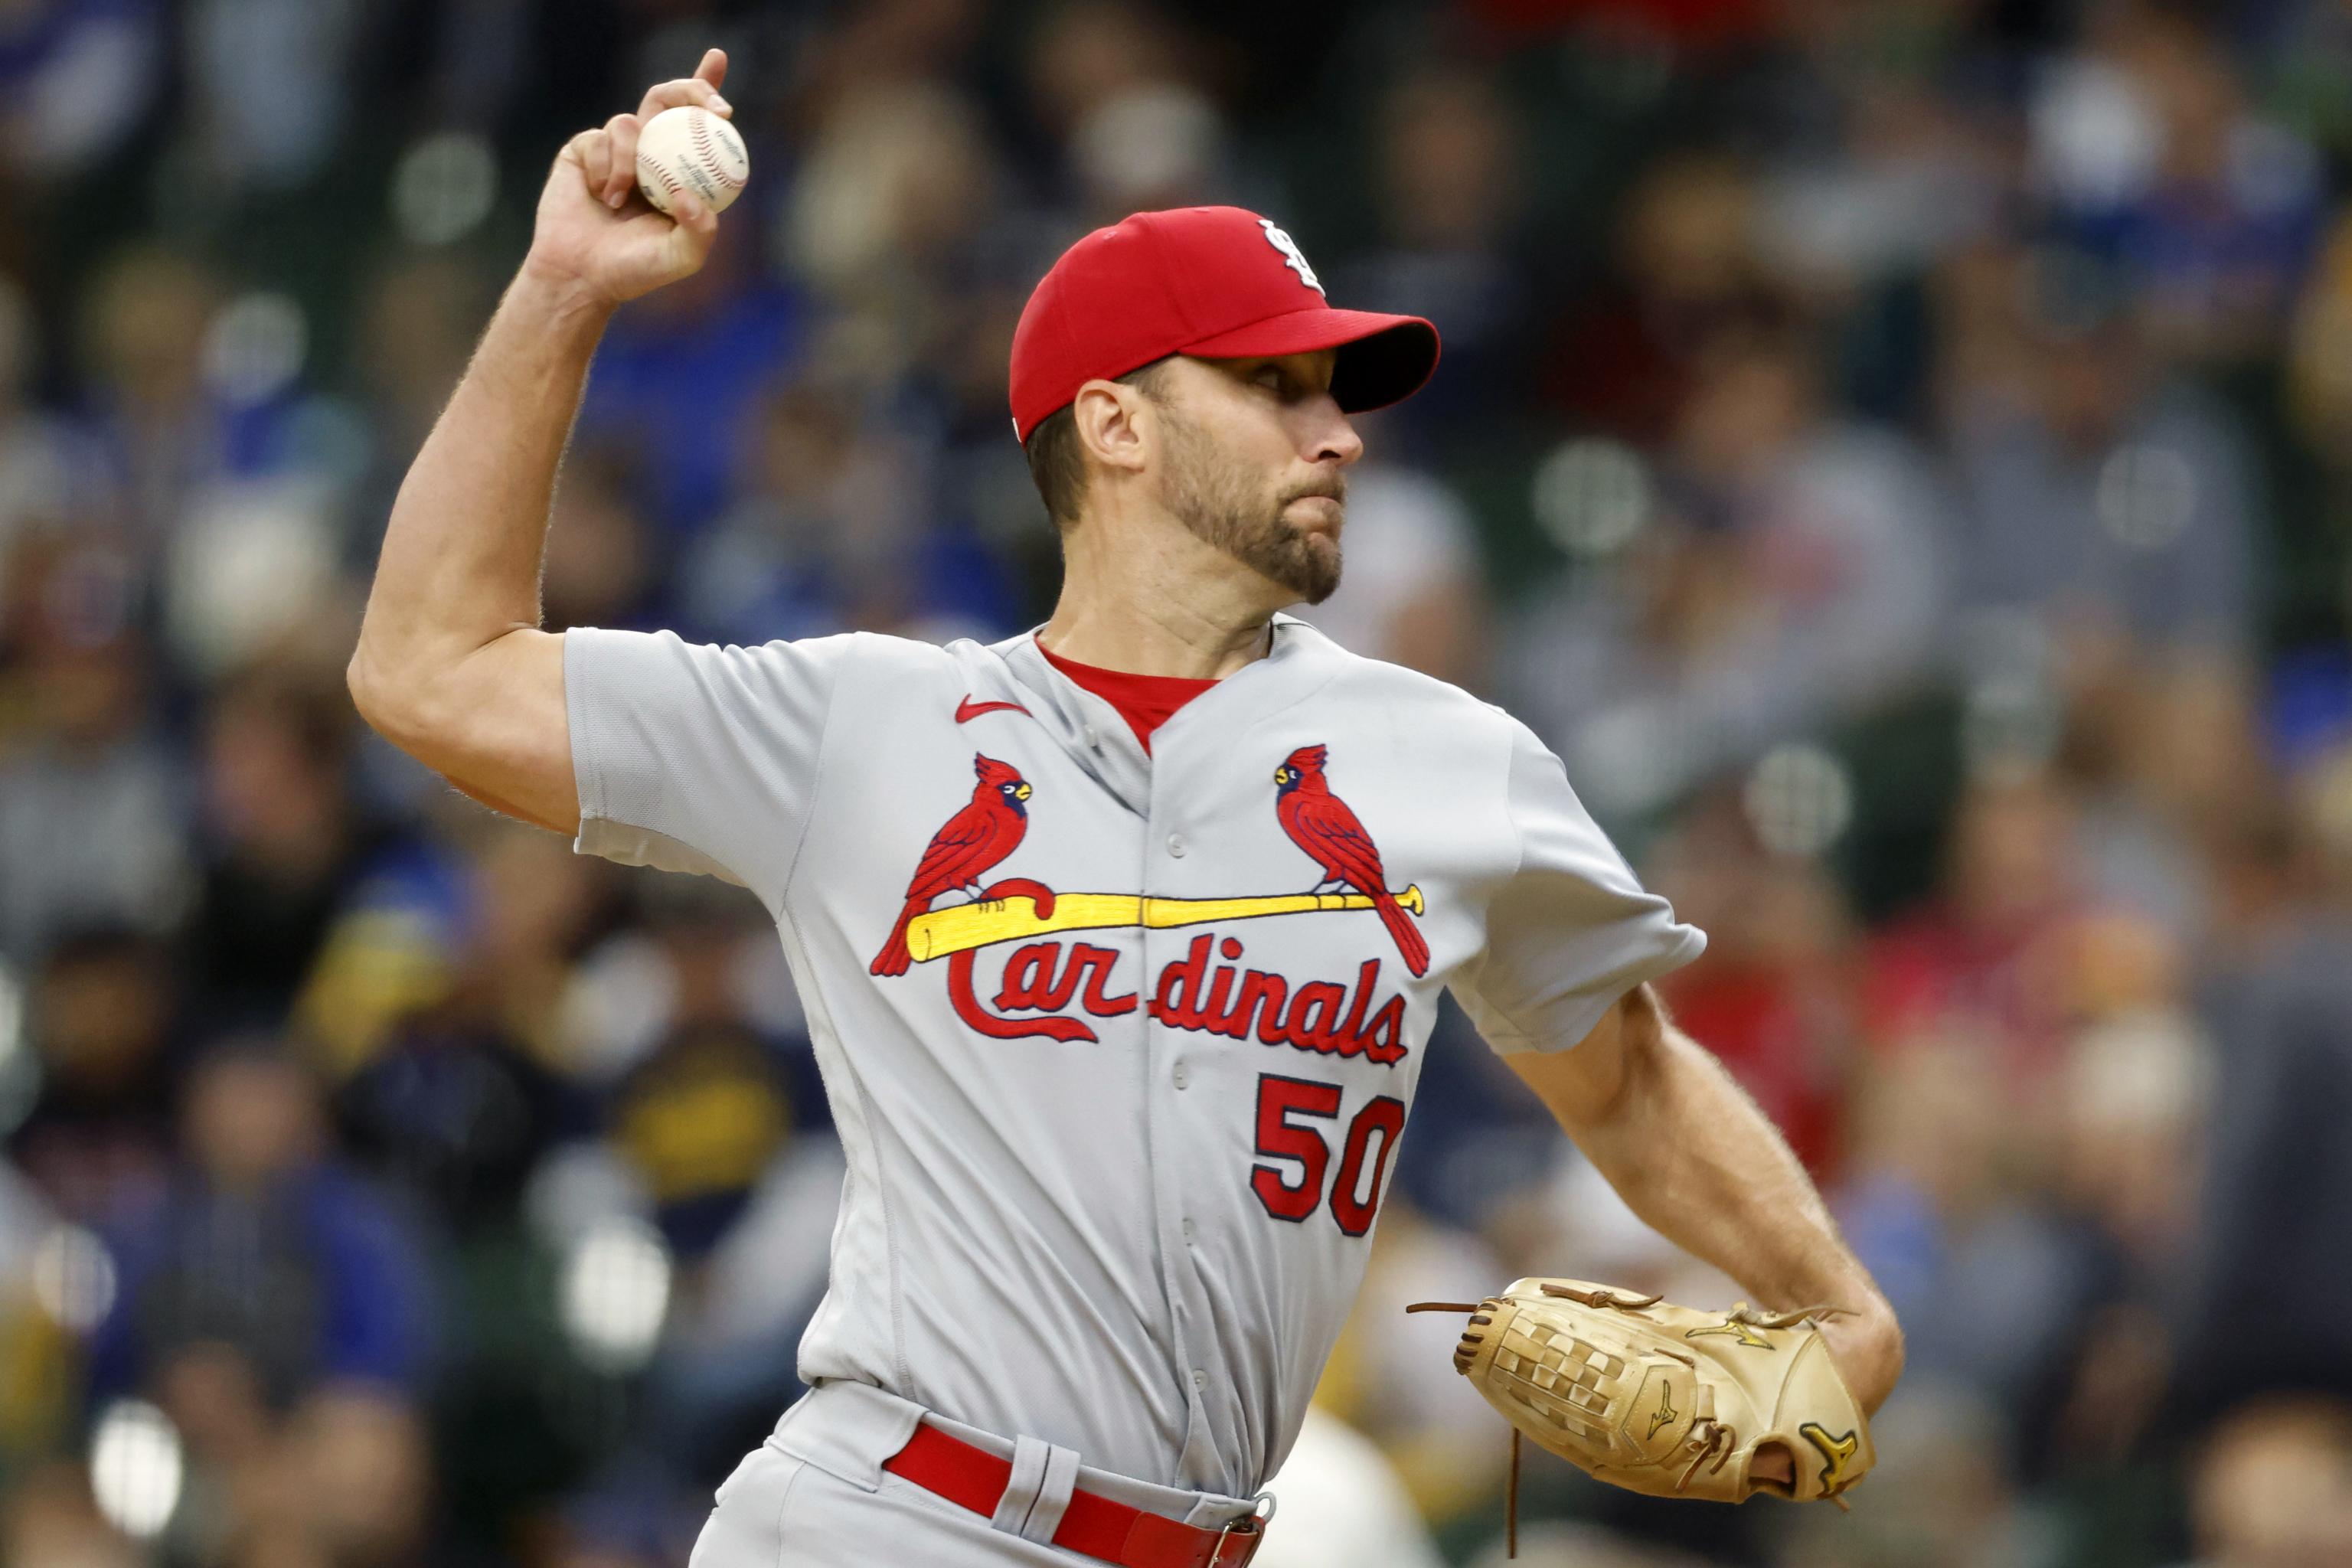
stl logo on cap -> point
(1292, 256)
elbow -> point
(356, 681)
(368, 689)
(393, 707)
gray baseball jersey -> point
(1120, 1045)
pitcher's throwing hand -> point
(596, 233)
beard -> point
(1217, 502)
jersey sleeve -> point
(1573, 928)
(691, 757)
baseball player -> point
(1120, 940)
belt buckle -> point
(1236, 1544)
(1245, 1535)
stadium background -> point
(1895, 452)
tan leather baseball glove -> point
(1664, 1399)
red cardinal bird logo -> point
(1320, 822)
(974, 839)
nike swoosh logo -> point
(967, 709)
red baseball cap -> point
(1218, 282)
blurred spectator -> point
(2147, 146)
(92, 814)
(2163, 756)
(1795, 583)
(1085, 53)
(2102, 493)
(1446, 188)
(600, 568)
(2273, 1487)
(698, 1122)
(417, 323)
(283, 843)
(822, 541)
(1115, 83)
(456, 1114)
(77, 78)
(2135, 1096)
(1982, 965)
(1874, 174)
(2281, 1177)
(2132, 1126)
(1773, 999)
(45, 468)
(898, 177)
(2318, 363)
(364, 1476)
(265, 1269)
(269, 81)
(748, 1208)
(51, 1520)
(1687, 269)
(142, 352)
(1157, 146)
(679, 377)
(98, 1138)
(1990, 1290)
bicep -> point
(494, 726)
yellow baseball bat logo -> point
(990, 920)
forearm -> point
(1692, 1155)
(460, 563)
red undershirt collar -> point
(1145, 702)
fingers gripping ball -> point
(689, 148)
(1662, 1399)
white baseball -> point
(689, 148)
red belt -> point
(1093, 1525)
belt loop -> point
(1012, 1512)
(1061, 1479)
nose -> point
(1334, 437)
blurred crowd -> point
(1896, 451)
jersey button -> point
(1183, 1075)
(1200, 1378)
(1189, 1232)
(1176, 844)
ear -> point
(1114, 424)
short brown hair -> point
(1055, 465)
